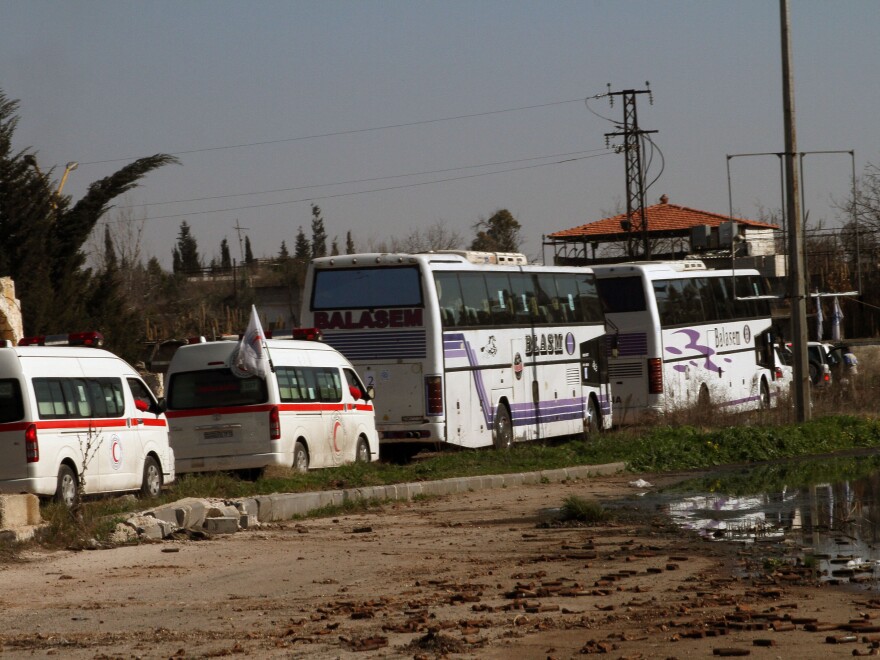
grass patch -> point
(655, 449)
(578, 509)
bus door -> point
(526, 396)
(594, 372)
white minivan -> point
(76, 418)
(311, 411)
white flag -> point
(836, 320)
(819, 318)
(251, 359)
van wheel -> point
(362, 453)
(151, 485)
(68, 487)
(300, 457)
(503, 436)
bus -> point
(470, 349)
(685, 336)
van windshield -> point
(214, 388)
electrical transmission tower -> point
(636, 223)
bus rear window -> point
(11, 409)
(367, 288)
(214, 388)
(621, 294)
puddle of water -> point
(822, 515)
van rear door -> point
(217, 418)
(13, 452)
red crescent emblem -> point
(337, 425)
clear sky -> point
(435, 111)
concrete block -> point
(167, 513)
(19, 511)
(247, 506)
(221, 524)
(190, 512)
(247, 521)
(148, 527)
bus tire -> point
(67, 490)
(300, 457)
(765, 395)
(502, 436)
(151, 484)
(592, 423)
(362, 451)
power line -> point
(367, 180)
(346, 132)
(363, 192)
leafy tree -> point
(283, 254)
(349, 243)
(319, 235)
(44, 232)
(225, 255)
(500, 233)
(303, 249)
(334, 247)
(248, 252)
(185, 255)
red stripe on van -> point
(265, 407)
(80, 423)
(155, 422)
(204, 412)
(13, 426)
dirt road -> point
(475, 575)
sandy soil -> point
(477, 575)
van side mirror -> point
(371, 393)
(161, 406)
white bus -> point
(686, 336)
(466, 348)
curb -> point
(284, 506)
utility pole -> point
(797, 285)
(636, 223)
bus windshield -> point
(367, 288)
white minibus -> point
(311, 411)
(77, 420)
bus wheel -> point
(765, 395)
(151, 485)
(362, 453)
(300, 457)
(503, 436)
(68, 487)
(592, 422)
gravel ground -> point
(476, 575)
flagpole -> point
(263, 338)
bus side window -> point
(475, 299)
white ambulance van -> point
(312, 411)
(72, 416)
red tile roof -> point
(663, 217)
